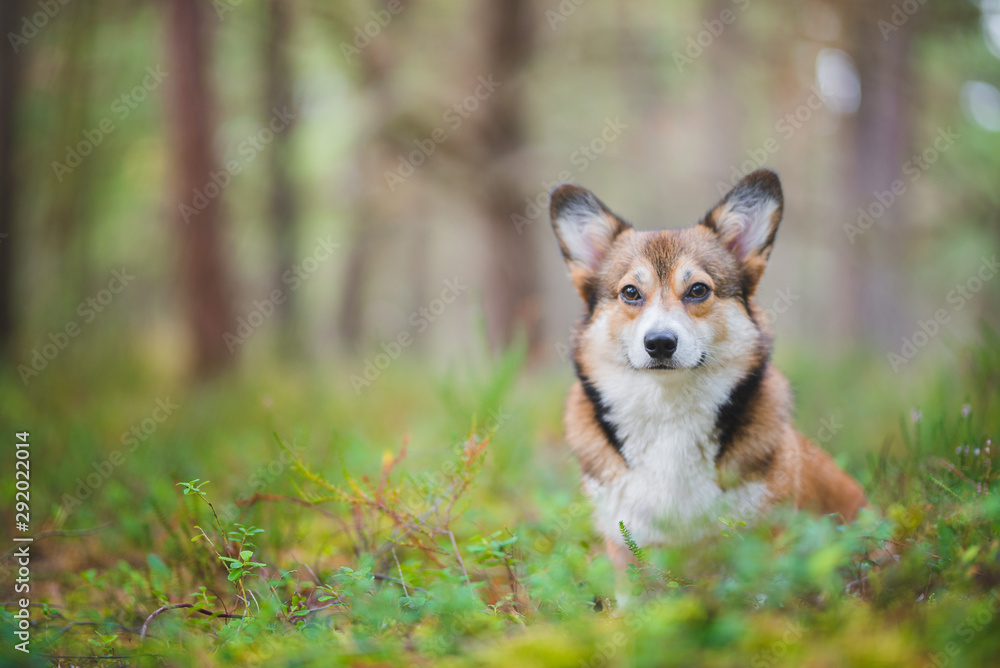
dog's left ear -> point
(746, 220)
(586, 230)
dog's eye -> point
(630, 293)
(698, 291)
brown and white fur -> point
(677, 416)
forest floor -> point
(436, 518)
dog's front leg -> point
(621, 558)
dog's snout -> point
(660, 345)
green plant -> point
(105, 642)
(239, 560)
(731, 527)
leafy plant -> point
(239, 560)
(731, 527)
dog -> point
(677, 415)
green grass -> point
(475, 548)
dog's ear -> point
(586, 230)
(747, 218)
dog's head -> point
(672, 299)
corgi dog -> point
(677, 415)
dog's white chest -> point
(670, 493)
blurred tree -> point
(203, 277)
(882, 134)
(726, 110)
(511, 286)
(377, 145)
(881, 36)
(283, 209)
(69, 216)
(9, 85)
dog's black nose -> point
(661, 345)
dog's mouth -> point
(655, 365)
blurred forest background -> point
(235, 233)
(136, 135)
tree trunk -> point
(726, 113)
(882, 134)
(9, 84)
(512, 279)
(283, 207)
(375, 154)
(203, 280)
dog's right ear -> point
(586, 229)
